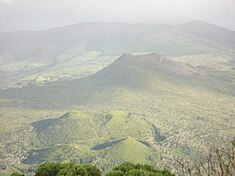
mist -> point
(40, 15)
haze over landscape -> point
(45, 14)
(107, 82)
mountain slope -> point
(210, 32)
(128, 149)
(83, 137)
(87, 129)
(79, 50)
(148, 74)
(123, 150)
(46, 46)
(135, 72)
(70, 128)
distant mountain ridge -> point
(115, 38)
(210, 32)
(135, 72)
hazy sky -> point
(43, 14)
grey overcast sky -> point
(44, 14)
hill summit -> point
(135, 72)
(146, 73)
(129, 149)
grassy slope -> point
(191, 117)
(87, 129)
(73, 127)
(128, 75)
(192, 105)
(128, 150)
(88, 139)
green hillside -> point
(73, 127)
(106, 139)
(128, 149)
(126, 77)
(106, 157)
(135, 72)
(71, 95)
(92, 129)
(82, 128)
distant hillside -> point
(75, 51)
(135, 72)
(115, 38)
(149, 73)
(222, 36)
(88, 129)
(82, 137)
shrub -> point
(68, 169)
(131, 169)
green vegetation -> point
(117, 136)
(70, 128)
(217, 162)
(60, 169)
(164, 111)
(71, 52)
(75, 102)
(130, 169)
(128, 150)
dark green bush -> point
(131, 169)
(67, 169)
(70, 169)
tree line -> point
(71, 169)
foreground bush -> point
(70, 169)
(130, 169)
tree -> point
(219, 162)
(67, 169)
(70, 169)
(131, 169)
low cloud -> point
(7, 1)
(44, 14)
